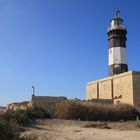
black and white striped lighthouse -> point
(117, 46)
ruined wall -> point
(46, 102)
(124, 88)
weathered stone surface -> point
(46, 102)
(92, 91)
(19, 106)
(136, 90)
(105, 89)
(123, 88)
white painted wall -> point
(117, 55)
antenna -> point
(117, 14)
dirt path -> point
(79, 130)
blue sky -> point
(59, 45)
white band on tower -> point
(117, 55)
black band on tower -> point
(117, 69)
(117, 38)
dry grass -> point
(93, 112)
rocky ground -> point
(81, 130)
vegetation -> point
(12, 121)
(138, 123)
(7, 130)
(24, 117)
(94, 112)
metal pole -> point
(33, 87)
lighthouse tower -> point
(117, 46)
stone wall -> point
(105, 89)
(122, 88)
(92, 92)
(136, 90)
(46, 102)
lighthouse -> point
(117, 46)
(122, 86)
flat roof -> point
(115, 76)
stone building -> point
(122, 86)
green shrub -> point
(24, 117)
(93, 112)
(8, 130)
(11, 122)
(38, 112)
(19, 116)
